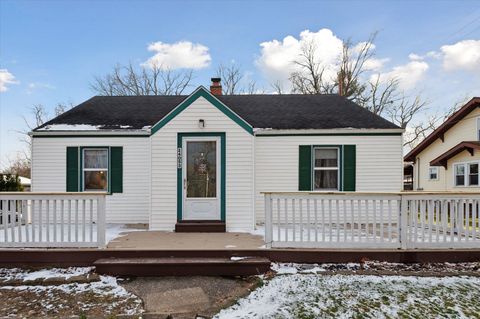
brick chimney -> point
(216, 87)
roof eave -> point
(437, 133)
(91, 133)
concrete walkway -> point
(161, 240)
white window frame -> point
(430, 174)
(466, 173)
(337, 168)
(84, 169)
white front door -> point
(201, 178)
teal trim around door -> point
(202, 92)
(223, 170)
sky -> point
(50, 51)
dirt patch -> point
(186, 297)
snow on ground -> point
(299, 294)
(101, 297)
(24, 275)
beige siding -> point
(465, 130)
(131, 206)
(239, 166)
(378, 168)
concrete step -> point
(200, 226)
(183, 266)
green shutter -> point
(305, 168)
(116, 168)
(349, 171)
(72, 169)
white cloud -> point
(408, 75)
(38, 85)
(6, 78)
(373, 64)
(183, 54)
(276, 59)
(463, 55)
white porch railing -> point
(372, 220)
(52, 219)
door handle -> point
(184, 183)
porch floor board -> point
(161, 240)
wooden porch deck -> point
(162, 240)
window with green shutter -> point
(95, 169)
(327, 167)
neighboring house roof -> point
(286, 111)
(468, 146)
(440, 131)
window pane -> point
(326, 179)
(326, 158)
(473, 174)
(201, 169)
(459, 169)
(96, 180)
(460, 180)
(95, 159)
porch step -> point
(180, 266)
(200, 226)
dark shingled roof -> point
(286, 111)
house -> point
(449, 158)
(203, 160)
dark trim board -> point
(87, 257)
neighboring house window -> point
(459, 171)
(433, 173)
(326, 169)
(478, 128)
(473, 174)
(95, 169)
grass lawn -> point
(360, 296)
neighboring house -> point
(170, 160)
(449, 158)
(26, 183)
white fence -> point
(52, 219)
(372, 220)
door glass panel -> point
(201, 169)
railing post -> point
(268, 220)
(403, 234)
(101, 221)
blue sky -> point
(50, 50)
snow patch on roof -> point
(70, 127)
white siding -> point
(239, 166)
(131, 206)
(378, 163)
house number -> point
(179, 158)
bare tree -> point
(380, 97)
(154, 80)
(231, 77)
(235, 82)
(352, 66)
(20, 166)
(309, 79)
(277, 87)
(311, 75)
